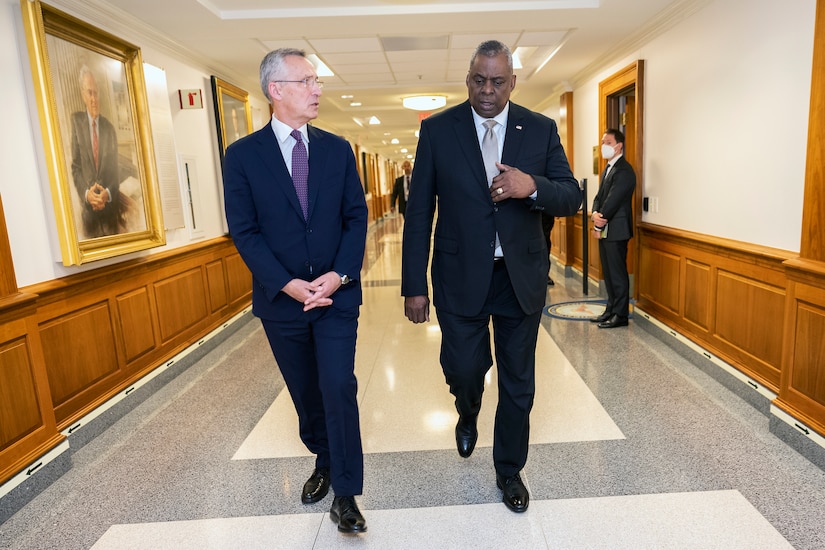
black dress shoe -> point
(601, 318)
(515, 496)
(316, 487)
(346, 514)
(466, 435)
(614, 321)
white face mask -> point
(608, 152)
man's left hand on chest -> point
(511, 183)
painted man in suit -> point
(490, 255)
(305, 247)
(95, 163)
(401, 189)
(612, 216)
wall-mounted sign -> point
(190, 99)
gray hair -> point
(84, 71)
(492, 48)
(272, 66)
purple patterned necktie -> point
(300, 171)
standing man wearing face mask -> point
(613, 221)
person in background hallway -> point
(547, 223)
(301, 228)
(401, 189)
(95, 163)
(490, 253)
(613, 221)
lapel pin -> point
(518, 127)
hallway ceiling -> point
(384, 50)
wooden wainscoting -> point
(27, 424)
(79, 340)
(726, 295)
(802, 393)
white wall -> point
(726, 118)
(25, 207)
(24, 184)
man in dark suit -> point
(490, 255)
(302, 235)
(95, 163)
(613, 221)
(401, 189)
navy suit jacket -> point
(449, 174)
(615, 200)
(268, 226)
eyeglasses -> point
(307, 82)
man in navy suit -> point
(304, 245)
(612, 216)
(490, 255)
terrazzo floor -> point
(632, 446)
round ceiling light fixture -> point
(424, 102)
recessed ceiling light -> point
(424, 102)
(347, 96)
(394, 141)
(320, 67)
(355, 104)
(374, 120)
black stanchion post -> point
(585, 240)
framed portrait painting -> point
(233, 115)
(94, 120)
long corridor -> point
(632, 446)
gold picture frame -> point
(233, 115)
(97, 140)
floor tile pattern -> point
(632, 446)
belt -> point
(498, 262)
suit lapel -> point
(607, 181)
(270, 153)
(514, 135)
(86, 139)
(318, 155)
(467, 139)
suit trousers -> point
(613, 255)
(466, 358)
(316, 356)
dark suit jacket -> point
(449, 173)
(398, 193)
(615, 200)
(85, 173)
(268, 226)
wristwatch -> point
(345, 279)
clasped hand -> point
(98, 197)
(314, 293)
(511, 183)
